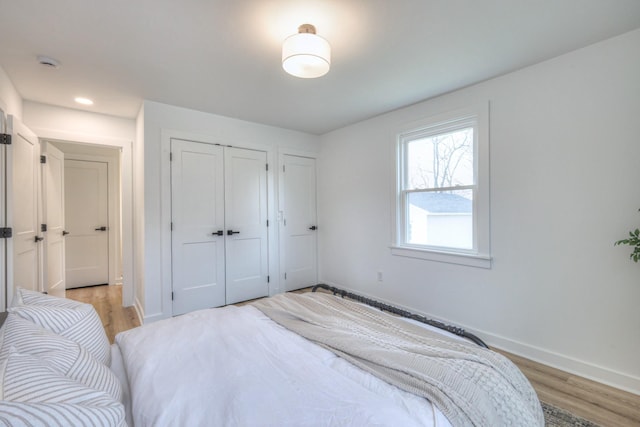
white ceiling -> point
(223, 56)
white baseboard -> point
(155, 317)
(564, 363)
(549, 358)
(139, 310)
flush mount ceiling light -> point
(83, 101)
(306, 54)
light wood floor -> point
(588, 399)
(596, 402)
(107, 301)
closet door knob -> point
(313, 227)
(217, 233)
(230, 232)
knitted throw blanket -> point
(471, 385)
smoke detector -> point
(48, 62)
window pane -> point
(439, 218)
(443, 160)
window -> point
(442, 189)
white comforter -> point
(233, 366)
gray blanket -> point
(471, 385)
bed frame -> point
(400, 312)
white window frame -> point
(480, 255)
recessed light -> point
(83, 101)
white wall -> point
(565, 145)
(162, 121)
(49, 119)
(10, 99)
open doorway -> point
(44, 128)
(92, 214)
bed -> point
(312, 359)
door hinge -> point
(170, 157)
(172, 226)
(171, 296)
(5, 138)
(6, 232)
(267, 223)
(267, 166)
(43, 159)
(43, 227)
(285, 276)
(267, 279)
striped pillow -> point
(35, 392)
(62, 354)
(74, 320)
(27, 297)
(18, 414)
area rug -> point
(556, 417)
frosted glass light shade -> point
(306, 55)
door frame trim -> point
(3, 223)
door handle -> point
(39, 239)
(217, 233)
(313, 227)
(103, 228)
(230, 232)
(65, 232)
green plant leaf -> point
(634, 242)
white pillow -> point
(46, 397)
(65, 356)
(72, 319)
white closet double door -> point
(219, 225)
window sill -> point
(470, 260)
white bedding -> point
(234, 366)
(117, 367)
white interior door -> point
(246, 224)
(87, 221)
(298, 205)
(23, 161)
(53, 214)
(197, 215)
